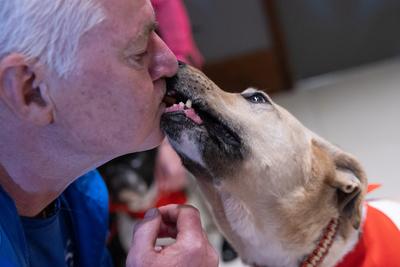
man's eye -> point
(137, 58)
(140, 56)
(256, 98)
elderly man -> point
(81, 82)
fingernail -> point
(151, 213)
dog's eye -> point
(257, 98)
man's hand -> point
(180, 222)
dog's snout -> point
(181, 64)
(171, 82)
(189, 79)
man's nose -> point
(164, 62)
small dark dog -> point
(132, 188)
(130, 178)
(131, 185)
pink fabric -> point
(175, 30)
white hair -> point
(48, 30)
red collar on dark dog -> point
(163, 199)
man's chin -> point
(153, 140)
(156, 136)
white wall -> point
(359, 110)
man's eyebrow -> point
(150, 27)
(144, 32)
(139, 39)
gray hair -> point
(48, 30)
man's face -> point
(111, 102)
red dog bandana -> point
(379, 244)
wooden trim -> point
(278, 42)
(257, 69)
(267, 69)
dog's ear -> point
(347, 177)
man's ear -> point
(349, 180)
(22, 90)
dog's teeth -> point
(189, 103)
(181, 104)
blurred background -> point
(334, 64)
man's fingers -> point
(191, 235)
(186, 218)
(145, 233)
(168, 230)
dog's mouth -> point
(190, 111)
(176, 103)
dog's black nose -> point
(181, 64)
(171, 82)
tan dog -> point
(273, 186)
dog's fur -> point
(272, 185)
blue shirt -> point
(51, 240)
(82, 219)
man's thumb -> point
(145, 232)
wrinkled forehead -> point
(128, 15)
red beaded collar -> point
(323, 246)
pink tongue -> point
(190, 113)
(174, 107)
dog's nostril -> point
(181, 64)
